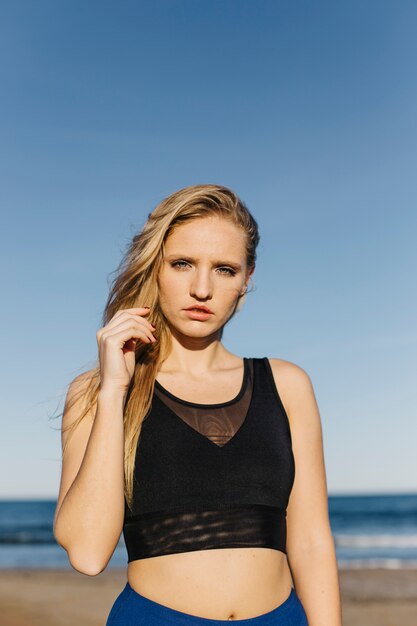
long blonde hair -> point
(135, 284)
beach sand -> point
(32, 597)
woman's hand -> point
(116, 345)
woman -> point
(215, 477)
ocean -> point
(369, 531)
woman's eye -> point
(228, 270)
(177, 263)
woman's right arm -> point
(90, 511)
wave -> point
(375, 541)
(376, 564)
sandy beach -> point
(31, 597)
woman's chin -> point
(195, 330)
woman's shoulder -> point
(81, 381)
(287, 368)
(292, 381)
(78, 387)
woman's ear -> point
(244, 291)
(248, 278)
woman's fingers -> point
(132, 311)
(116, 344)
(125, 314)
(136, 328)
(142, 319)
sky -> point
(307, 110)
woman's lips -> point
(198, 314)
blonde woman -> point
(209, 463)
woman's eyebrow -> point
(185, 257)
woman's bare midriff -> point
(224, 583)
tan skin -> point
(228, 583)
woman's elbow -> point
(89, 567)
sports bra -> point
(212, 475)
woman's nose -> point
(201, 286)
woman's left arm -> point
(310, 545)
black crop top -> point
(212, 475)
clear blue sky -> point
(306, 109)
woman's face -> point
(204, 263)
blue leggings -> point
(132, 609)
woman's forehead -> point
(204, 229)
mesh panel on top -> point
(218, 422)
(156, 534)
